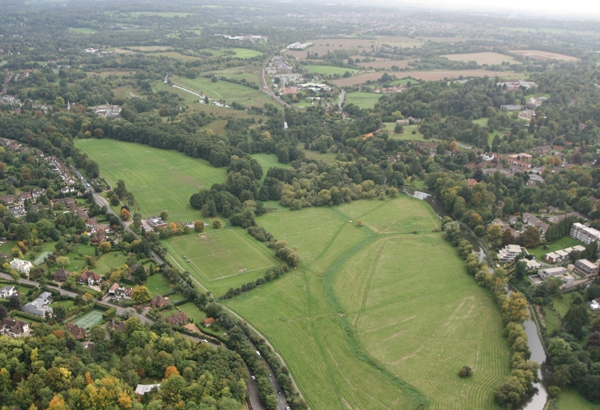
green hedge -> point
(110, 313)
(27, 316)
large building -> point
(21, 265)
(586, 267)
(509, 253)
(549, 272)
(584, 233)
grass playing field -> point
(378, 317)
(159, 179)
(362, 99)
(89, 319)
(223, 90)
(229, 256)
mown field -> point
(159, 179)
(544, 55)
(82, 30)
(223, 91)
(362, 99)
(378, 317)
(570, 399)
(486, 57)
(388, 64)
(220, 259)
(329, 70)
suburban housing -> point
(39, 306)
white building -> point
(142, 389)
(509, 253)
(21, 266)
(7, 292)
(584, 233)
(550, 272)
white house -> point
(20, 265)
(509, 253)
(8, 291)
(595, 304)
(142, 389)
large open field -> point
(230, 256)
(544, 55)
(159, 179)
(482, 58)
(388, 64)
(425, 75)
(329, 70)
(362, 99)
(223, 90)
(378, 317)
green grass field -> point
(221, 259)
(159, 179)
(245, 52)
(168, 14)
(82, 30)
(407, 134)
(557, 245)
(329, 70)
(267, 161)
(223, 90)
(378, 317)
(88, 319)
(157, 284)
(570, 399)
(362, 99)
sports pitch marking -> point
(218, 253)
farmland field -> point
(482, 58)
(362, 99)
(378, 317)
(425, 75)
(544, 55)
(223, 256)
(388, 64)
(329, 70)
(82, 30)
(160, 179)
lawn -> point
(570, 399)
(219, 259)
(108, 261)
(160, 179)
(378, 317)
(89, 319)
(267, 161)
(223, 91)
(157, 284)
(561, 304)
(557, 245)
(362, 99)
(66, 303)
(245, 52)
(407, 133)
(82, 30)
(329, 70)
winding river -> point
(537, 400)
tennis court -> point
(89, 319)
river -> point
(537, 400)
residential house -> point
(158, 301)
(595, 304)
(509, 253)
(21, 265)
(551, 272)
(7, 292)
(7, 199)
(39, 306)
(208, 322)
(403, 121)
(142, 389)
(511, 107)
(119, 292)
(563, 254)
(585, 267)
(18, 211)
(108, 111)
(14, 328)
(78, 333)
(533, 264)
(99, 238)
(532, 220)
(88, 345)
(535, 102)
(89, 278)
(61, 275)
(177, 319)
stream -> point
(537, 400)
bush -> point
(554, 391)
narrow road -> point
(265, 87)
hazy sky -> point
(589, 9)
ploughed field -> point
(381, 316)
(160, 179)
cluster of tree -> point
(51, 370)
(573, 363)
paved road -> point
(265, 87)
